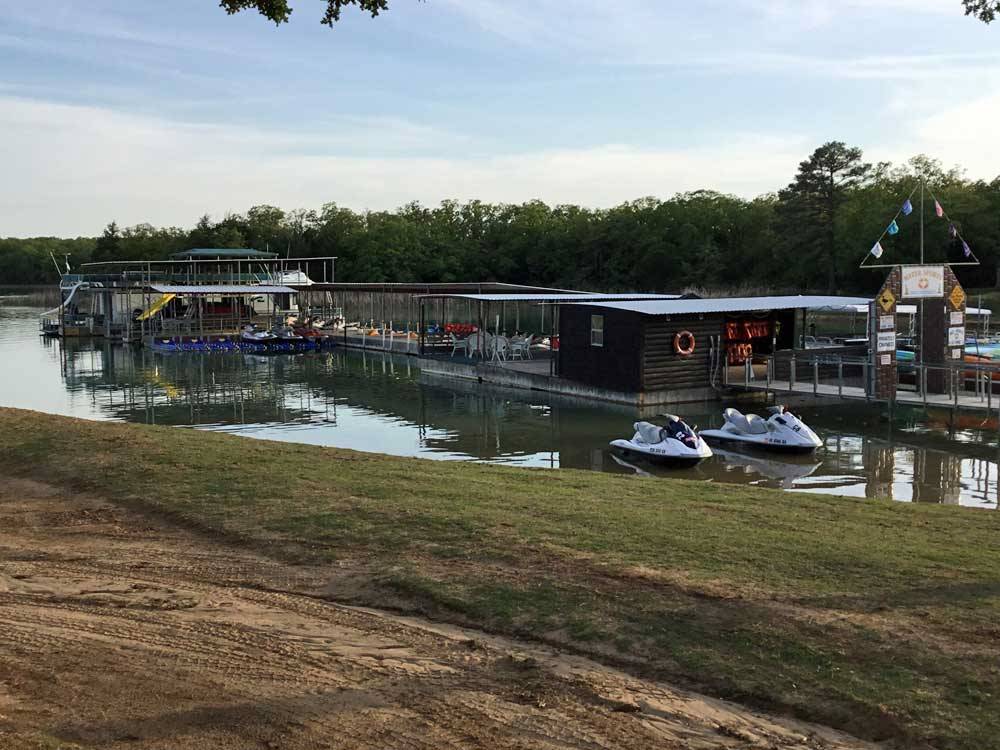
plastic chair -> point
(499, 348)
(458, 344)
(472, 344)
(520, 347)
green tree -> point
(108, 244)
(809, 206)
(985, 10)
(203, 234)
(280, 10)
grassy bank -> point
(878, 618)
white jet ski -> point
(781, 431)
(674, 444)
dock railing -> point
(970, 384)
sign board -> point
(885, 359)
(956, 353)
(886, 323)
(923, 282)
(887, 299)
(886, 342)
(957, 319)
(957, 297)
(956, 336)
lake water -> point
(376, 402)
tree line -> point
(810, 236)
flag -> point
(966, 249)
(907, 208)
(952, 231)
(893, 228)
(877, 250)
(938, 210)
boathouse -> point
(675, 350)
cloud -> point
(785, 38)
(71, 169)
(811, 14)
(964, 133)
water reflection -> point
(376, 402)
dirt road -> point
(117, 631)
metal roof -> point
(565, 297)
(224, 289)
(975, 312)
(438, 288)
(730, 304)
(235, 253)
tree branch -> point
(985, 10)
(279, 10)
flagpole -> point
(921, 221)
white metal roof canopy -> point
(665, 306)
(230, 290)
(568, 298)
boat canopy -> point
(226, 290)
(223, 253)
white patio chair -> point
(499, 349)
(473, 346)
(459, 345)
(520, 347)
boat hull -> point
(764, 442)
(657, 455)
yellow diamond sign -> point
(887, 299)
(957, 297)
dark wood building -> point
(673, 350)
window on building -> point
(597, 330)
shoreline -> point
(875, 618)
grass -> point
(878, 618)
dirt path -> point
(118, 632)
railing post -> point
(840, 376)
(815, 375)
(746, 373)
(791, 373)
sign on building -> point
(923, 282)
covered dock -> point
(677, 350)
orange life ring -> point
(684, 343)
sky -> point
(160, 112)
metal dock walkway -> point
(967, 387)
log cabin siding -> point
(665, 370)
(615, 365)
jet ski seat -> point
(650, 434)
(748, 424)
